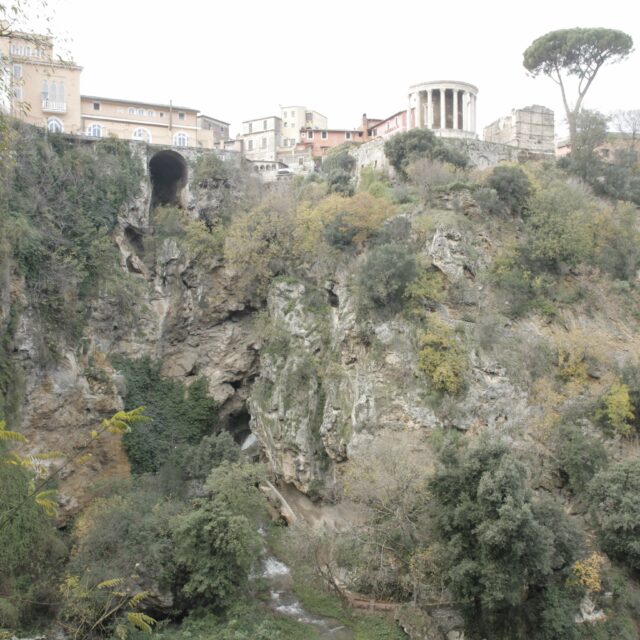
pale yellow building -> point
(149, 122)
(38, 88)
(43, 91)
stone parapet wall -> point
(481, 154)
(485, 154)
(370, 154)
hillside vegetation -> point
(446, 359)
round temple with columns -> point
(447, 107)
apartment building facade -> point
(217, 131)
(261, 138)
(153, 123)
(45, 92)
(37, 88)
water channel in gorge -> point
(278, 579)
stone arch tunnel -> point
(168, 171)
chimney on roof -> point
(365, 127)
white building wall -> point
(262, 137)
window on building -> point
(285, 142)
(17, 71)
(250, 145)
(310, 135)
(61, 91)
(53, 92)
(181, 139)
(151, 113)
(347, 135)
(323, 135)
(142, 134)
(264, 143)
(17, 93)
(181, 115)
(301, 160)
(161, 114)
(264, 125)
(94, 131)
(250, 126)
(132, 111)
(285, 115)
(140, 112)
(54, 125)
(45, 90)
(96, 106)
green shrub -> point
(216, 543)
(426, 291)
(374, 182)
(338, 169)
(620, 179)
(428, 175)
(339, 232)
(512, 187)
(614, 496)
(396, 230)
(57, 210)
(245, 619)
(442, 358)
(504, 554)
(616, 412)
(30, 550)
(488, 201)
(559, 227)
(127, 527)
(210, 172)
(631, 378)
(385, 274)
(618, 243)
(210, 452)
(579, 456)
(403, 148)
(180, 415)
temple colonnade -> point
(446, 107)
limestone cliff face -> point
(312, 381)
(190, 319)
(330, 384)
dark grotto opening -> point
(168, 171)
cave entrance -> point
(168, 171)
(238, 425)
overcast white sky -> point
(240, 59)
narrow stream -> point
(278, 578)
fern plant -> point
(111, 607)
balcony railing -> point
(57, 107)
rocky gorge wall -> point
(310, 379)
(188, 319)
